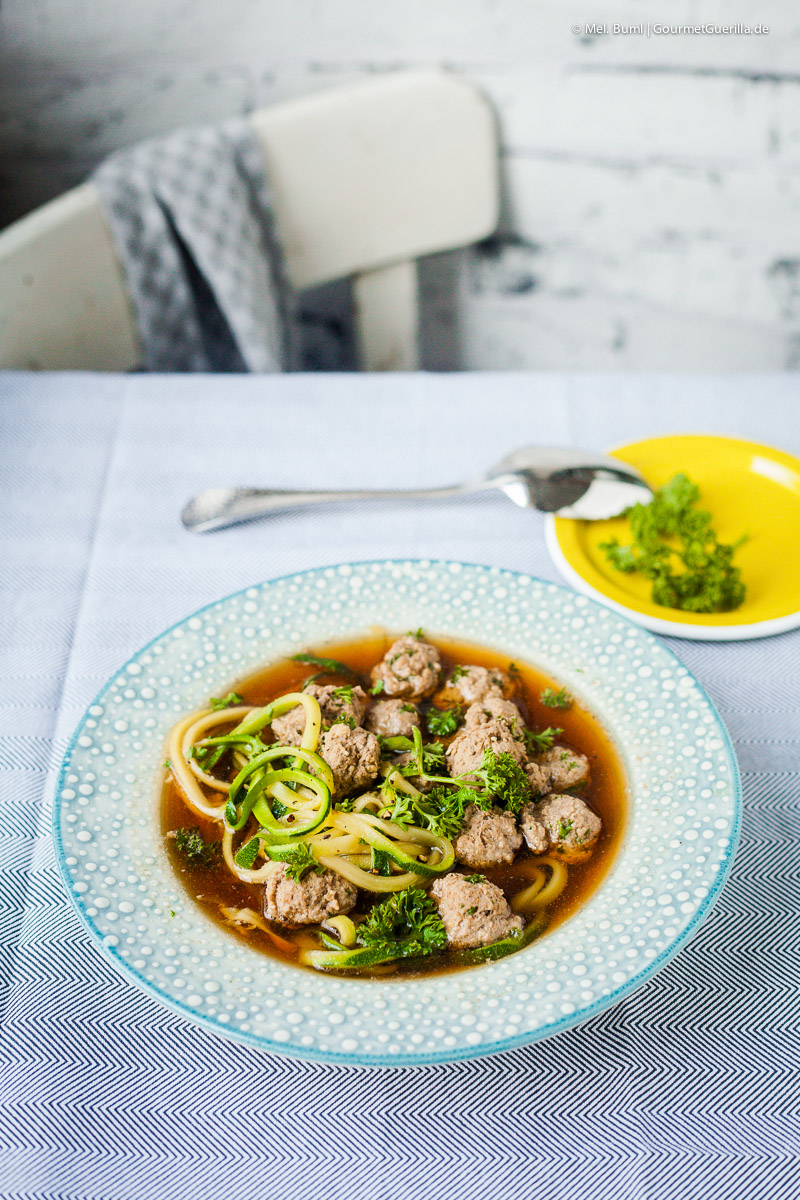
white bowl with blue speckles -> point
(676, 853)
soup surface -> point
(195, 839)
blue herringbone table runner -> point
(688, 1088)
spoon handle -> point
(216, 508)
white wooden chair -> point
(365, 179)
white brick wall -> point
(652, 185)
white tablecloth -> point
(687, 1088)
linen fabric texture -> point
(687, 1087)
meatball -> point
(572, 827)
(350, 703)
(473, 913)
(307, 902)
(563, 768)
(492, 707)
(538, 778)
(354, 756)
(465, 752)
(392, 718)
(534, 829)
(488, 838)
(410, 667)
(473, 683)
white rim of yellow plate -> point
(694, 633)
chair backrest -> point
(365, 179)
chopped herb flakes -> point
(672, 532)
(556, 699)
(457, 673)
(443, 722)
(343, 719)
(196, 852)
(475, 878)
(378, 687)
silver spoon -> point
(569, 483)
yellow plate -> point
(749, 489)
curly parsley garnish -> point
(299, 861)
(440, 810)
(672, 532)
(503, 780)
(409, 918)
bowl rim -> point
(357, 1059)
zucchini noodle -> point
(343, 927)
(246, 876)
(398, 781)
(250, 919)
(539, 894)
(369, 800)
(379, 834)
(184, 777)
(264, 716)
(208, 719)
(366, 880)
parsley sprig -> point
(540, 743)
(499, 780)
(300, 860)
